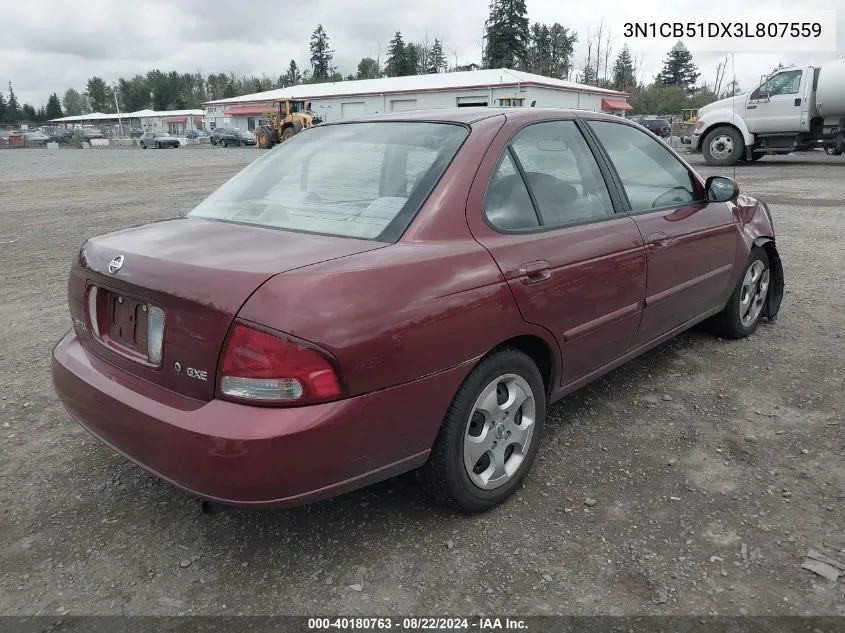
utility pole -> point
(117, 105)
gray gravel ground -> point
(695, 453)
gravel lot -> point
(695, 454)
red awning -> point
(615, 104)
(248, 110)
(175, 119)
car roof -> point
(470, 115)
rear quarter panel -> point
(430, 302)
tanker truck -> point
(792, 110)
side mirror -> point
(721, 189)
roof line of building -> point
(243, 100)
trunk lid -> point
(199, 273)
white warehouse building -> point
(349, 99)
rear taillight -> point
(266, 367)
(93, 320)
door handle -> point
(657, 241)
(798, 102)
(535, 272)
(751, 107)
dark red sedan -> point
(405, 292)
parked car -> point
(136, 133)
(192, 134)
(379, 296)
(35, 138)
(90, 132)
(226, 136)
(159, 140)
(660, 127)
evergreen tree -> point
(624, 74)
(561, 48)
(414, 58)
(100, 95)
(293, 77)
(435, 61)
(2, 107)
(134, 94)
(321, 55)
(507, 35)
(588, 74)
(13, 110)
(367, 69)
(28, 113)
(54, 107)
(397, 59)
(678, 68)
(230, 91)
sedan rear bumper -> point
(253, 456)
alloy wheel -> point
(499, 431)
(755, 287)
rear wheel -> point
(490, 435)
(224, 143)
(744, 310)
(831, 151)
(724, 147)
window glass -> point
(348, 180)
(562, 173)
(651, 175)
(507, 204)
(786, 83)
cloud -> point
(54, 46)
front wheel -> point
(158, 145)
(831, 151)
(288, 133)
(143, 145)
(723, 147)
(490, 435)
(744, 310)
(224, 143)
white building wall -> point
(334, 108)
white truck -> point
(792, 110)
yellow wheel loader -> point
(288, 117)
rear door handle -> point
(657, 241)
(535, 272)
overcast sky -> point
(51, 45)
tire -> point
(263, 138)
(288, 133)
(158, 145)
(728, 145)
(143, 145)
(213, 142)
(447, 475)
(730, 323)
(831, 151)
(224, 143)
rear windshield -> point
(362, 180)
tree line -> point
(510, 41)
